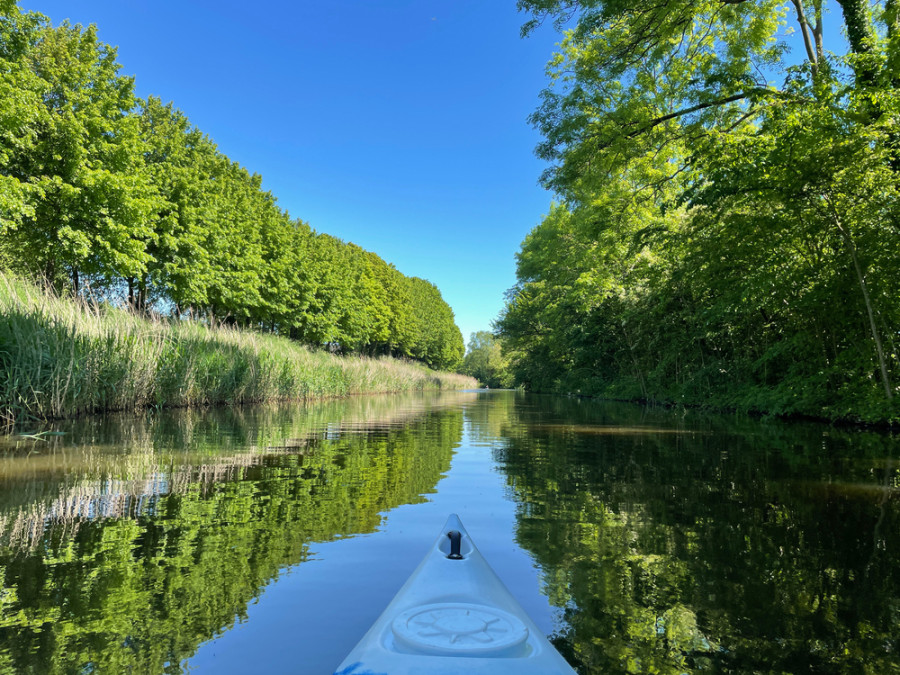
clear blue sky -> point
(399, 125)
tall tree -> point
(89, 202)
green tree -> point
(180, 160)
(129, 195)
(21, 114)
(87, 208)
(397, 311)
(436, 339)
(484, 360)
(718, 199)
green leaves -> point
(727, 237)
(630, 79)
(485, 361)
(100, 189)
(74, 143)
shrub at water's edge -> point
(60, 357)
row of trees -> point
(99, 188)
(728, 230)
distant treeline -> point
(102, 190)
(728, 231)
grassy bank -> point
(61, 357)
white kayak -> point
(453, 615)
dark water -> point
(268, 539)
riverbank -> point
(62, 357)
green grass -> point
(62, 357)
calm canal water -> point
(268, 539)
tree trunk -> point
(858, 21)
(876, 335)
(860, 34)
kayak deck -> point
(453, 614)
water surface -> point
(639, 539)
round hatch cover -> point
(459, 629)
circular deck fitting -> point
(459, 629)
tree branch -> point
(817, 31)
(805, 28)
(700, 106)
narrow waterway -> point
(269, 539)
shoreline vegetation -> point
(63, 357)
(725, 231)
(106, 194)
(111, 200)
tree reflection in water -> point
(127, 543)
(670, 541)
(690, 544)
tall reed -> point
(61, 357)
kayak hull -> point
(452, 616)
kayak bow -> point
(453, 614)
